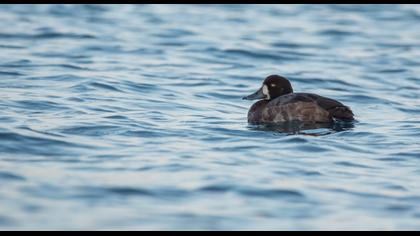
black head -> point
(273, 86)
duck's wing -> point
(336, 109)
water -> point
(130, 117)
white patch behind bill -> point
(265, 92)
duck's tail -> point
(342, 113)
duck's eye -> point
(273, 85)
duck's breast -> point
(255, 113)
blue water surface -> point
(130, 117)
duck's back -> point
(305, 107)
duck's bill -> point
(257, 95)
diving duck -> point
(278, 103)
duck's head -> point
(272, 87)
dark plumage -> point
(280, 104)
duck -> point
(278, 104)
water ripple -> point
(130, 117)
(45, 36)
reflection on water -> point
(296, 127)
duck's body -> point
(280, 104)
(305, 107)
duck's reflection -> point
(314, 129)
